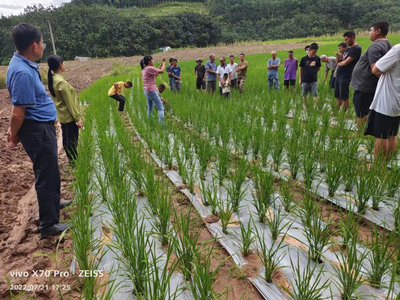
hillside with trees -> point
(104, 28)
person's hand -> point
(79, 124)
(12, 141)
(300, 82)
(164, 59)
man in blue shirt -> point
(176, 76)
(32, 123)
(273, 76)
(211, 75)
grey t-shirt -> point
(362, 78)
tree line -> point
(99, 28)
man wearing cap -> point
(330, 65)
(199, 72)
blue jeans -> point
(273, 79)
(153, 98)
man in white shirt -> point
(223, 68)
(233, 66)
(384, 116)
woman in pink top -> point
(149, 74)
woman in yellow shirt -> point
(67, 104)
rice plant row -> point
(312, 222)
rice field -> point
(296, 187)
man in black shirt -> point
(345, 68)
(199, 72)
(309, 68)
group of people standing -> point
(229, 75)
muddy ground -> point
(20, 246)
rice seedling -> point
(396, 215)
(132, 242)
(179, 157)
(247, 237)
(334, 171)
(317, 232)
(211, 195)
(158, 286)
(378, 188)
(204, 277)
(380, 257)
(152, 186)
(244, 137)
(349, 271)
(293, 154)
(162, 224)
(287, 196)
(265, 149)
(350, 164)
(165, 149)
(234, 188)
(185, 244)
(256, 137)
(349, 227)
(225, 213)
(393, 179)
(279, 139)
(189, 174)
(276, 224)
(308, 283)
(222, 163)
(205, 152)
(269, 255)
(365, 182)
(309, 164)
(263, 185)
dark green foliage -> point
(104, 28)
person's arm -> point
(20, 99)
(16, 120)
(180, 74)
(326, 75)
(377, 74)
(71, 101)
(345, 62)
(300, 72)
(162, 69)
(116, 88)
(386, 62)
(277, 65)
(376, 71)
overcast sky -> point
(15, 7)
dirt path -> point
(20, 246)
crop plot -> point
(260, 170)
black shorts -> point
(342, 90)
(362, 101)
(200, 83)
(382, 126)
(292, 82)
